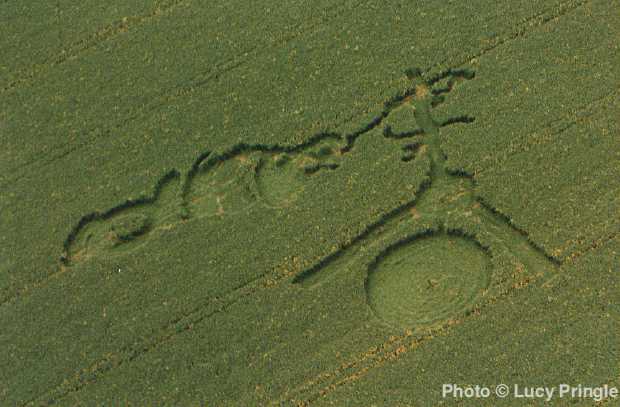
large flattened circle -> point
(428, 279)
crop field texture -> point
(307, 203)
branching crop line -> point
(387, 351)
(203, 311)
(326, 382)
(212, 306)
(236, 150)
(209, 159)
(555, 124)
(228, 66)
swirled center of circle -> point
(427, 280)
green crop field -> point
(309, 203)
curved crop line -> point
(501, 218)
(542, 18)
(389, 106)
(203, 163)
(393, 349)
(169, 95)
(299, 277)
(195, 316)
(130, 203)
(325, 382)
(374, 126)
(503, 294)
(427, 233)
(376, 356)
(198, 314)
(205, 160)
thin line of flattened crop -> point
(594, 245)
(521, 30)
(52, 392)
(326, 382)
(57, 152)
(215, 73)
(229, 153)
(545, 134)
(393, 344)
(185, 323)
(393, 348)
(228, 66)
(182, 324)
(351, 118)
(178, 325)
(103, 34)
(60, 151)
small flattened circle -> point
(427, 280)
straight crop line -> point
(61, 151)
(231, 64)
(377, 356)
(178, 325)
(186, 322)
(166, 97)
(392, 350)
(594, 245)
(103, 34)
(545, 135)
(69, 386)
(519, 31)
(48, 160)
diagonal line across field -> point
(519, 31)
(200, 313)
(326, 382)
(214, 73)
(209, 307)
(220, 70)
(183, 324)
(377, 356)
(103, 34)
(546, 134)
(550, 129)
